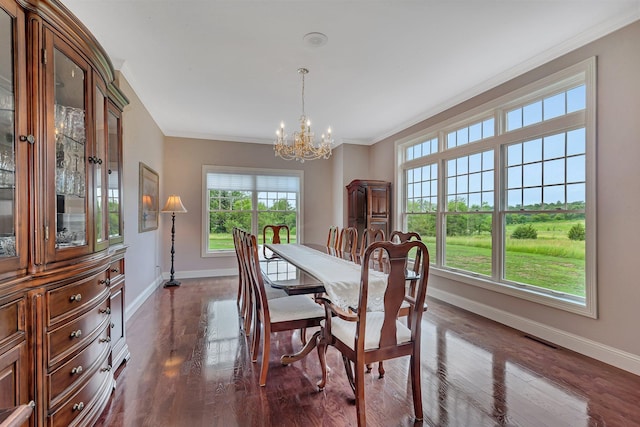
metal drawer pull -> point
(107, 339)
(115, 270)
(107, 369)
(78, 406)
(105, 310)
(76, 334)
(76, 297)
(76, 370)
(105, 282)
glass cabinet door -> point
(13, 225)
(99, 167)
(70, 151)
(114, 166)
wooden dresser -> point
(62, 252)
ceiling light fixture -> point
(303, 146)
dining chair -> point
(348, 243)
(242, 300)
(333, 237)
(245, 293)
(399, 237)
(373, 336)
(369, 236)
(275, 315)
(274, 231)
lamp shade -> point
(174, 204)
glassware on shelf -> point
(6, 101)
(8, 246)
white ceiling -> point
(228, 69)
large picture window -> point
(249, 199)
(504, 196)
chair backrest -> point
(400, 236)
(369, 236)
(238, 234)
(275, 232)
(333, 237)
(255, 275)
(348, 243)
(397, 255)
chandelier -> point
(303, 145)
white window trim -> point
(497, 107)
(204, 253)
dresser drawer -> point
(66, 300)
(73, 335)
(116, 270)
(82, 404)
(11, 321)
(83, 364)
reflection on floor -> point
(189, 367)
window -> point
(507, 191)
(249, 199)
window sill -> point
(562, 302)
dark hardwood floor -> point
(189, 367)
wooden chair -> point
(348, 243)
(366, 337)
(245, 293)
(399, 237)
(333, 237)
(243, 298)
(275, 315)
(276, 238)
(369, 236)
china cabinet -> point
(62, 282)
(369, 205)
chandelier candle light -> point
(303, 146)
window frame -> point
(583, 72)
(206, 169)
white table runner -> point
(341, 278)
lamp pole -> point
(174, 204)
(172, 281)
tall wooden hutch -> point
(61, 232)
(369, 205)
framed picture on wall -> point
(148, 199)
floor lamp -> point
(174, 205)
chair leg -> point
(321, 348)
(416, 386)
(380, 370)
(266, 350)
(361, 411)
(303, 336)
(349, 370)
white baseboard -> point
(134, 305)
(196, 274)
(610, 355)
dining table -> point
(315, 269)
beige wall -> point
(618, 203)
(184, 159)
(142, 142)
